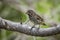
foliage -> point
(42, 7)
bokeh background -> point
(48, 9)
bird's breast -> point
(35, 21)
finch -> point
(35, 18)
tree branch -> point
(26, 29)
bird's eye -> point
(38, 18)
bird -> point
(35, 18)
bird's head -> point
(30, 12)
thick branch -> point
(26, 29)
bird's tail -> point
(43, 23)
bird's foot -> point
(32, 27)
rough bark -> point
(26, 29)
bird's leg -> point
(27, 21)
(38, 26)
(33, 26)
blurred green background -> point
(49, 9)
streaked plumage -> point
(35, 18)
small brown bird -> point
(35, 18)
